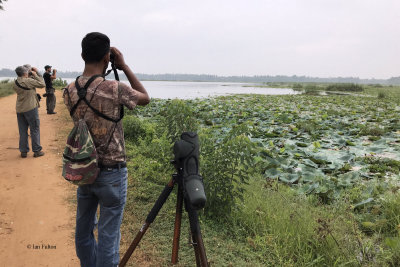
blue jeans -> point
(29, 119)
(109, 191)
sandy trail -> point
(36, 218)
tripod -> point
(197, 240)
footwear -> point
(38, 154)
(51, 112)
(24, 154)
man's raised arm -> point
(143, 97)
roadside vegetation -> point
(59, 83)
(299, 180)
(6, 88)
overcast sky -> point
(324, 38)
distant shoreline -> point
(235, 79)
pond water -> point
(191, 90)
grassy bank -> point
(6, 88)
(291, 180)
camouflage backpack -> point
(80, 158)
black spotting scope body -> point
(186, 153)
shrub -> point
(311, 89)
(178, 117)
(150, 159)
(60, 83)
(351, 87)
(381, 95)
(136, 128)
(297, 86)
(226, 167)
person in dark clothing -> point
(48, 77)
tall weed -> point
(226, 167)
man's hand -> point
(119, 60)
(34, 70)
(54, 75)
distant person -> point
(109, 190)
(50, 96)
(27, 109)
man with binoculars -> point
(27, 109)
(102, 111)
(48, 77)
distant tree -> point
(1, 4)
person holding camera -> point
(27, 109)
(109, 190)
(49, 76)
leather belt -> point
(112, 167)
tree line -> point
(216, 78)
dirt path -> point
(36, 218)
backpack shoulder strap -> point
(82, 97)
(82, 92)
(20, 86)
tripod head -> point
(186, 152)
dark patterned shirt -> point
(108, 136)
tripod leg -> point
(199, 250)
(177, 228)
(150, 219)
(198, 245)
(134, 244)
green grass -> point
(286, 229)
(6, 88)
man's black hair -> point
(95, 46)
